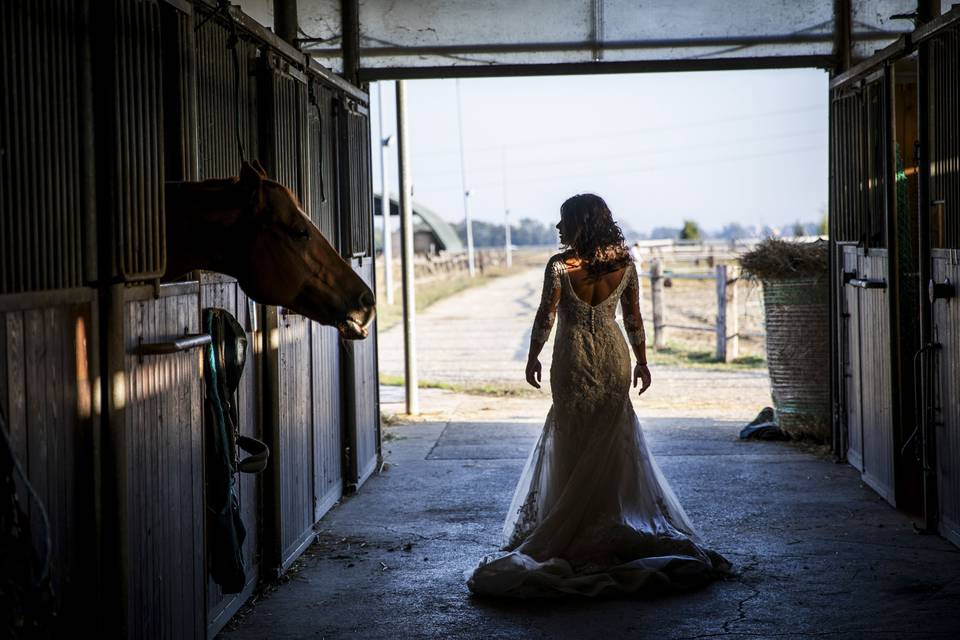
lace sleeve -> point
(549, 299)
(630, 303)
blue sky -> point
(718, 147)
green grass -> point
(679, 355)
(497, 389)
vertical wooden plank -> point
(76, 485)
(720, 275)
(54, 382)
(38, 437)
(854, 363)
(656, 299)
(16, 357)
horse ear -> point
(259, 168)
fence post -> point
(638, 263)
(721, 271)
(728, 325)
(733, 315)
(656, 298)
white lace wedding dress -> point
(592, 513)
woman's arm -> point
(543, 323)
(633, 323)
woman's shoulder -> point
(558, 260)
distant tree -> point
(799, 229)
(526, 231)
(824, 227)
(663, 233)
(733, 231)
(690, 230)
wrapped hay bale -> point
(796, 307)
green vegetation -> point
(524, 232)
(680, 355)
(690, 230)
(498, 389)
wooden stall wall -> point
(221, 108)
(363, 399)
(860, 196)
(946, 399)
(48, 318)
(288, 365)
(876, 390)
(152, 489)
(156, 403)
(47, 359)
(941, 40)
(356, 238)
(851, 361)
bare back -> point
(592, 289)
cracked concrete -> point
(818, 553)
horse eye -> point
(301, 234)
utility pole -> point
(463, 181)
(385, 143)
(406, 228)
(506, 211)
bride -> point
(592, 513)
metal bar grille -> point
(321, 156)
(944, 72)
(179, 106)
(283, 113)
(846, 176)
(356, 179)
(43, 182)
(858, 167)
(875, 192)
(137, 172)
(218, 156)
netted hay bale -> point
(796, 308)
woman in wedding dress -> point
(592, 513)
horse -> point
(253, 228)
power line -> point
(659, 167)
(629, 132)
(649, 151)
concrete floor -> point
(819, 553)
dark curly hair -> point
(592, 234)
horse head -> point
(270, 246)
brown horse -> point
(253, 229)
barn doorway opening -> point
(697, 168)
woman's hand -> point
(642, 373)
(533, 372)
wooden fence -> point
(726, 324)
